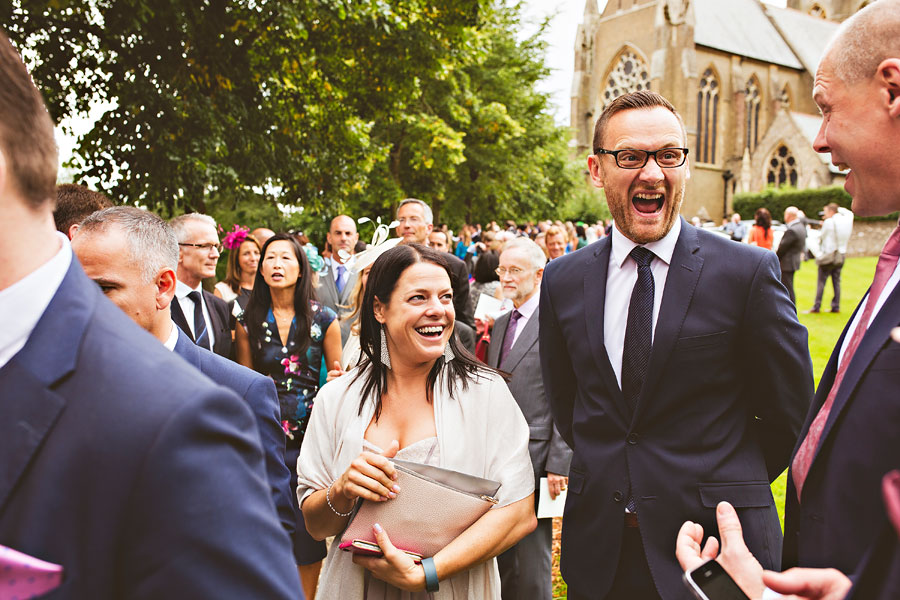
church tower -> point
(833, 10)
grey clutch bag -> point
(433, 507)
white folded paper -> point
(548, 508)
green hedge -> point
(810, 201)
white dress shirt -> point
(333, 268)
(843, 223)
(526, 310)
(187, 307)
(24, 302)
(885, 294)
(173, 338)
(620, 279)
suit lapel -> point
(594, 308)
(874, 339)
(348, 287)
(215, 321)
(187, 350)
(30, 407)
(681, 281)
(178, 317)
(524, 342)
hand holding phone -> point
(710, 581)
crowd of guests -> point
(159, 439)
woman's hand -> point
(336, 372)
(396, 567)
(370, 476)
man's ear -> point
(165, 288)
(73, 229)
(887, 78)
(596, 172)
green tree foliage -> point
(229, 107)
(810, 201)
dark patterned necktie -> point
(509, 336)
(639, 328)
(200, 336)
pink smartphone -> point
(370, 549)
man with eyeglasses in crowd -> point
(200, 314)
(525, 569)
(675, 367)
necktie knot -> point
(642, 256)
(516, 315)
(194, 296)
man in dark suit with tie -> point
(833, 504)
(791, 248)
(132, 255)
(525, 569)
(675, 367)
(336, 285)
(119, 463)
(200, 314)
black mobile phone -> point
(710, 581)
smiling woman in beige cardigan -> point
(413, 399)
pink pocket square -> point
(23, 576)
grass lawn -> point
(824, 330)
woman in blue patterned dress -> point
(285, 334)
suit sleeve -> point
(560, 455)
(202, 520)
(778, 366)
(556, 365)
(264, 402)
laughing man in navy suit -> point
(675, 367)
(118, 462)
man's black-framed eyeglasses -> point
(630, 158)
(205, 247)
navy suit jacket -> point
(123, 464)
(260, 395)
(730, 379)
(841, 511)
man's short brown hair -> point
(75, 203)
(632, 100)
(26, 130)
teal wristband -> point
(431, 579)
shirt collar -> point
(29, 297)
(663, 248)
(529, 306)
(173, 337)
(182, 289)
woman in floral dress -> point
(285, 334)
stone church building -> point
(741, 74)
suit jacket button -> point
(632, 439)
(618, 496)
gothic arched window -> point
(752, 102)
(707, 117)
(817, 11)
(782, 168)
(630, 74)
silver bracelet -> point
(331, 506)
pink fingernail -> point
(396, 488)
(377, 528)
(392, 495)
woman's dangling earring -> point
(385, 355)
(448, 353)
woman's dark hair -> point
(381, 284)
(261, 298)
(763, 219)
(486, 267)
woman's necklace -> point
(283, 319)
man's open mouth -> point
(648, 203)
